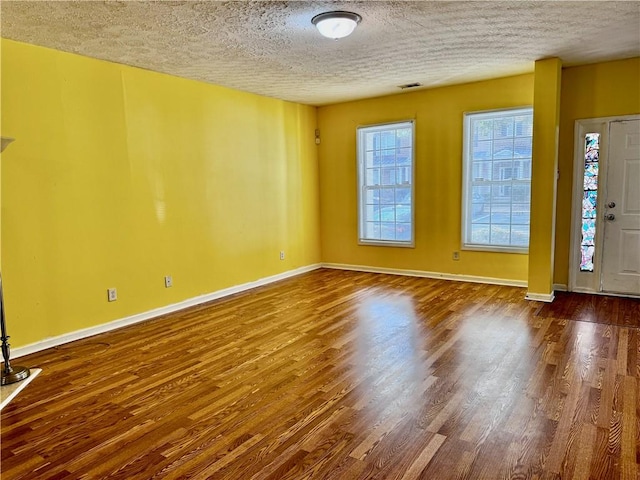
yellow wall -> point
(439, 116)
(120, 176)
(590, 91)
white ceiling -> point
(271, 48)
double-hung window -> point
(385, 184)
(497, 180)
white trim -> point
(560, 287)
(584, 290)
(540, 297)
(156, 312)
(425, 274)
(605, 294)
(383, 243)
(361, 167)
(578, 280)
(617, 118)
(472, 247)
(467, 178)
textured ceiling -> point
(271, 48)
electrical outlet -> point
(281, 254)
(168, 281)
(112, 294)
(456, 255)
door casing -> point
(589, 282)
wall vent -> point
(410, 85)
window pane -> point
(503, 127)
(522, 169)
(404, 175)
(388, 139)
(524, 125)
(373, 230)
(387, 195)
(482, 170)
(482, 193)
(480, 234)
(372, 141)
(482, 150)
(589, 231)
(480, 214)
(481, 204)
(403, 195)
(589, 204)
(388, 231)
(385, 172)
(388, 158)
(482, 130)
(501, 214)
(373, 212)
(586, 261)
(497, 169)
(372, 196)
(388, 176)
(403, 156)
(590, 200)
(500, 234)
(520, 235)
(388, 214)
(503, 149)
(373, 176)
(371, 159)
(520, 214)
(522, 147)
(403, 213)
(521, 192)
(502, 170)
(500, 194)
(405, 138)
(403, 231)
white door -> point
(621, 245)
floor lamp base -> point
(15, 374)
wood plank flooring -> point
(342, 375)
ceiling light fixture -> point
(336, 24)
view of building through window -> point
(497, 184)
(385, 172)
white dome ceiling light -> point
(337, 24)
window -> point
(385, 184)
(497, 180)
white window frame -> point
(363, 187)
(467, 180)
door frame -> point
(589, 282)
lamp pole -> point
(9, 374)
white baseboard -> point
(589, 291)
(540, 297)
(426, 274)
(560, 287)
(140, 317)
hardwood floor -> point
(342, 375)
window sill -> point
(382, 243)
(495, 249)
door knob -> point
(611, 204)
(610, 216)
